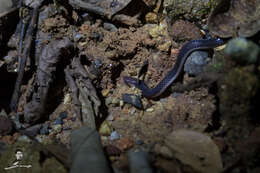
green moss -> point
(190, 10)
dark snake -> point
(175, 71)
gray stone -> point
(195, 150)
(5, 5)
(114, 136)
(196, 62)
(133, 100)
(110, 27)
(139, 162)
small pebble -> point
(114, 136)
(196, 62)
(149, 110)
(139, 142)
(57, 128)
(105, 129)
(67, 99)
(133, 100)
(105, 92)
(63, 115)
(175, 94)
(39, 138)
(58, 121)
(110, 117)
(115, 101)
(66, 128)
(97, 63)
(132, 111)
(86, 17)
(108, 101)
(110, 27)
(77, 36)
(121, 103)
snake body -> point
(175, 71)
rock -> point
(5, 5)
(220, 142)
(133, 100)
(105, 129)
(33, 3)
(57, 128)
(195, 150)
(33, 130)
(114, 136)
(87, 152)
(139, 141)
(112, 101)
(189, 10)
(156, 31)
(183, 30)
(242, 51)
(149, 110)
(3, 113)
(151, 17)
(6, 126)
(8, 12)
(196, 62)
(235, 17)
(164, 151)
(139, 162)
(176, 94)
(63, 115)
(78, 37)
(97, 63)
(110, 27)
(165, 47)
(105, 8)
(58, 121)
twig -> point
(26, 53)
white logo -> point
(16, 163)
